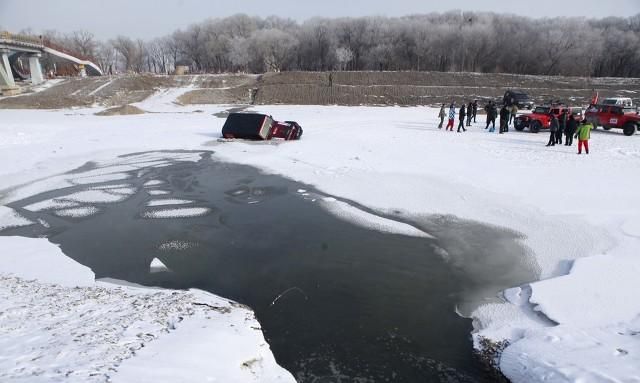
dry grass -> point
(123, 110)
(324, 88)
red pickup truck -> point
(614, 116)
(540, 118)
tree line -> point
(452, 41)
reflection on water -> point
(337, 302)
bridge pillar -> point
(36, 69)
(7, 84)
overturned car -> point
(256, 126)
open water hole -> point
(337, 302)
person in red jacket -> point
(452, 117)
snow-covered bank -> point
(56, 323)
(568, 207)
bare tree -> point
(460, 41)
(82, 42)
(128, 49)
(106, 57)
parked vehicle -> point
(625, 102)
(256, 126)
(613, 117)
(540, 118)
(520, 99)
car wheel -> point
(606, 127)
(629, 129)
(519, 127)
(535, 126)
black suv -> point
(520, 99)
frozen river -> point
(337, 301)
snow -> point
(157, 266)
(370, 221)
(576, 214)
(78, 212)
(36, 258)
(98, 89)
(57, 323)
(158, 192)
(116, 186)
(568, 298)
(94, 196)
(50, 204)
(165, 100)
(153, 183)
(101, 178)
(168, 201)
(191, 347)
(9, 218)
(176, 245)
(568, 354)
(177, 213)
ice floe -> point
(157, 266)
(78, 212)
(370, 221)
(168, 201)
(95, 196)
(177, 213)
(176, 245)
(49, 204)
(10, 218)
(158, 192)
(153, 183)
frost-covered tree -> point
(272, 48)
(451, 41)
(344, 56)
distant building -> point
(182, 67)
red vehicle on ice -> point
(540, 118)
(255, 126)
(614, 116)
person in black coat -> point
(490, 108)
(570, 130)
(462, 114)
(475, 110)
(562, 125)
(504, 119)
(469, 113)
(553, 129)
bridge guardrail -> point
(32, 40)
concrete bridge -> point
(14, 46)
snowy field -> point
(578, 216)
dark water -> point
(337, 302)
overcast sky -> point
(154, 18)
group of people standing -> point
(467, 112)
(470, 111)
(568, 125)
(507, 115)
